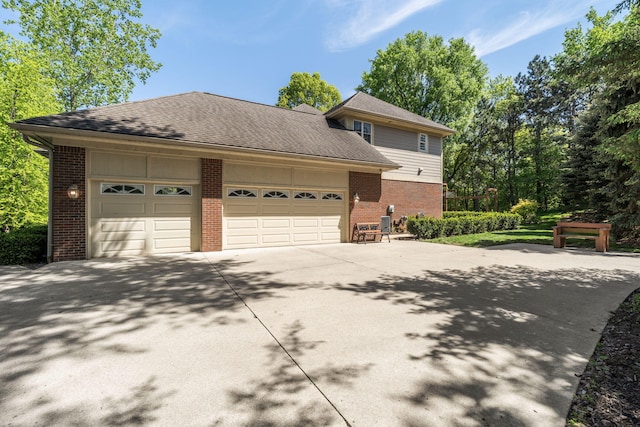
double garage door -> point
(267, 217)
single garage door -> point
(142, 218)
(260, 217)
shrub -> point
(451, 225)
(527, 210)
(26, 245)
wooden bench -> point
(366, 229)
(582, 230)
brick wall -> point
(211, 205)
(376, 194)
(69, 224)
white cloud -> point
(527, 24)
(367, 18)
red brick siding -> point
(376, 194)
(211, 205)
(69, 215)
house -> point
(202, 172)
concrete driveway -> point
(390, 334)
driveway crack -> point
(266, 328)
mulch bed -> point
(609, 390)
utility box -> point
(385, 224)
(391, 209)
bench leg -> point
(558, 242)
(602, 241)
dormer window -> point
(423, 143)
(363, 129)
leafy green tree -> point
(97, 48)
(429, 77)
(542, 116)
(310, 89)
(605, 59)
(25, 91)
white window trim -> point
(361, 132)
(426, 142)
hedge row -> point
(27, 245)
(453, 225)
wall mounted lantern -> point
(420, 170)
(73, 192)
(356, 198)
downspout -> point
(49, 148)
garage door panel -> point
(172, 209)
(330, 221)
(172, 244)
(236, 209)
(278, 223)
(305, 223)
(121, 245)
(172, 224)
(276, 209)
(248, 224)
(305, 237)
(106, 226)
(115, 208)
(300, 209)
(276, 239)
(242, 241)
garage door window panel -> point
(242, 193)
(305, 195)
(122, 189)
(168, 190)
(275, 194)
(332, 196)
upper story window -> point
(423, 143)
(363, 129)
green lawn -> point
(540, 233)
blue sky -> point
(248, 49)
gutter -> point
(49, 148)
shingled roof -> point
(212, 120)
(365, 103)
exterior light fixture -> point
(420, 170)
(73, 192)
(356, 198)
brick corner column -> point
(69, 225)
(211, 205)
(369, 189)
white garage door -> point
(142, 219)
(281, 217)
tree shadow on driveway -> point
(67, 321)
(509, 343)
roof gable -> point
(366, 104)
(216, 121)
